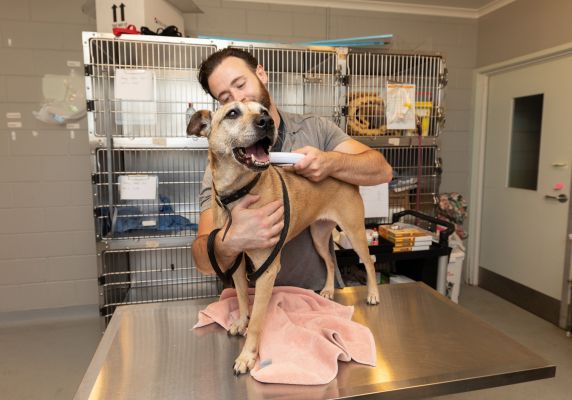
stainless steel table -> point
(426, 346)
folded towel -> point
(303, 338)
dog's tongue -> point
(257, 153)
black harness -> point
(252, 275)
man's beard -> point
(263, 97)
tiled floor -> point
(48, 360)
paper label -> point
(13, 115)
(72, 126)
(138, 187)
(400, 109)
(375, 200)
(134, 84)
(14, 124)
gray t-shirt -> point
(301, 264)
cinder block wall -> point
(47, 251)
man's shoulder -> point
(295, 122)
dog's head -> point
(243, 132)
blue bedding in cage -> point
(129, 219)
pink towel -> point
(304, 336)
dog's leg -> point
(239, 326)
(356, 233)
(321, 231)
(264, 285)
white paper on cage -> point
(135, 95)
(400, 106)
(375, 200)
(138, 187)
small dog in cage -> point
(240, 136)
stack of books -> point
(406, 237)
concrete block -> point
(70, 218)
(79, 144)
(21, 169)
(80, 194)
(34, 35)
(17, 272)
(71, 268)
(22, 220)
(15, 10)
(70, 168)
(458, 99)
(269, 22)
(63, 11)
(5, 139)
(18, 62)
(86, 292)
(41, 143)
(6, 195)
(27, 89)
(311, 25)
(220, 22)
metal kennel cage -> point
(138, 90)
(133, 276)
(173, 212)
(366, 97)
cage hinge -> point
(344, 80)
(88, 68)
(444, 77)
(344, 111)
(101, 280)
(102, 312)
(90, 105)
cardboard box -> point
(153, 14)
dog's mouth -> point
(255, 156)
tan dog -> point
(240, 136)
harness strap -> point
(252, 276)
(225, 277)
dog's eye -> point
(234, 113)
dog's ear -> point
(200, 123)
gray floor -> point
(48, 360)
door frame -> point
(481, 78)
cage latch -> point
(90, 105)
(343, 80)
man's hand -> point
(315, 166)
(254, 228)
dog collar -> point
(225, 200)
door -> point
(528, 156)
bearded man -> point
(235, 75)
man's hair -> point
(208, 66)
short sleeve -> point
(205, 194)
(331, 134)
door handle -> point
(561, 197)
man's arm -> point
(350, 161)
(266, 221)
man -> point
(235, 75)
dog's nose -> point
(264, 121)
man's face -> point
(233, 80)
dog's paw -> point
(327, 293)
(244, 362)
(372, 297)
(239, 326)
